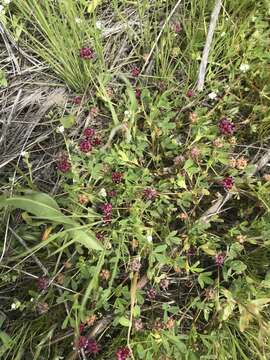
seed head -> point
(149, 194)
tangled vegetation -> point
(138, 227)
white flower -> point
(60, 129)
(103, 192)
(13, 306)
(25, 154)
(99, 25)
(223, 34)
(244, 67)
(127, 113)
(212, 95)
(78, 20)
(149, 238)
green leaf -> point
(39, 204)
(85, 239)
(68, 121)
(43, 206)
(124, 321)
(92, 6)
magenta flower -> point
(77, 100)
(151, 293)
(81, 328)
(89, 132)
(96, 141)
(106, 208)
(99, 236)
(85, 146)
(93, 347)
(117, 177)
(226, 127)
(190, 93)
(112, 193)
(164, 284)
(177, 28)
(83, 342)
(219, 259)
(63, 165)
(138, 93)
(123, 353)
(135, 72)
(42, 283)
(86, 53)
(227, 183)
(107, 218)
(149, 194)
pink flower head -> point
(77, 100)
(122, 353)
(190, 93)
(42, 283)
(86, 53)
(219, 259)
(83, 342)
(96, 141)
(164, 284)
(149, 194)
(85, 146)
(135, 72)
(138, 93)
(99, 236)
(81, 328)
(117, 177)
(63, 165)
(227, 183)
(89, 132)
(151, 293)
(106, 208)
(177, 28)
(112, 193)
(107, 218)
(226, 127)
(93, 347)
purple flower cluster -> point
(122, 353)
(89, 345)
(151, 294)
(86, 53)
(117, 177)
(149, 194)
(227, 183)
(42, 283)
(135, 72)
(226, 127)
(107, 212)
(85, 146)
(219, 259)
(63, 165)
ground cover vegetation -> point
(134, 208)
